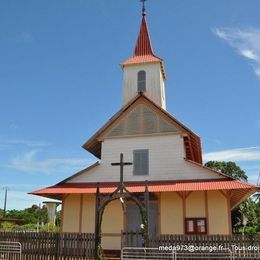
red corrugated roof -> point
(76, 188)
(141, 59)
(143, 44)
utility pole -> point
(5, 201)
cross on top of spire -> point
(143, 8)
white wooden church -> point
(185, 197)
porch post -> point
(97, 227)
(146, 199)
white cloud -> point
(249, 54)
(257, 71)
(240, 154)
(24, 142)
(245, 41)
(30, 163)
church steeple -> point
(144, 71)
(143, 45)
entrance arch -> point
(103, 200)
(121, 193)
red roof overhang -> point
(242, 188)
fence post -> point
(57, 245)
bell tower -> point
(144, 71)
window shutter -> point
(141, 162)
(141, 81)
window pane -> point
(190, 226)
(201, 226)
(141, 162)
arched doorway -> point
(114, 200)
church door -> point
(133, 217)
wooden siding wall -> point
(166, 153)
(154, 83)
(218, 213)
(88, 213)
(171, 213)
(71, 214)
(212, 205)
(195, 205)
(112, 226)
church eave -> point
(139, 60)
(239, 189)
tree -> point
(229, 168)
(244, 217)
(29, 215)
(1, 213)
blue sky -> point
(60, 80)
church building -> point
(185, 197)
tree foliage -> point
(30, 215)
(229, 168)
(245, 217)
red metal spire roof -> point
(143, 44)
(143, 49)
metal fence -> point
(10, 250)
(134, 253)
(138, 253)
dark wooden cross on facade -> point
(121, 164)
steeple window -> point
(141, 81)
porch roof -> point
(240, 190)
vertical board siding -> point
(154, 83)
(71, 212)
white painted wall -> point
(166, 161)
(155, 89)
